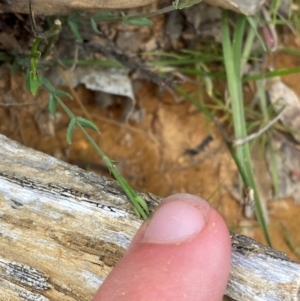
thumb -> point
(181, 253)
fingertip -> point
(182, 252)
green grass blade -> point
(70, 130)
(232, 59)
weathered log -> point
(62, 229)
(63, 7)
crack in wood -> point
(26, 275)
(249, 247)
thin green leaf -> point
(252, 23)
(46, 83)
(138, 22)
(27, 80)
(143, 204)
(207, 81)
(34, 82)
(61, 93)
(273, 166)
(277, 72)
(103, 16)
(189, 97)
(87, 123)
(94, 26)
(232, 54)
(137, 212)
(74, 26)
(52, 105)
(175, 3)
(70, 130)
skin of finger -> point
(194, 270)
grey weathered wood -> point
(62, 229)
(246, 7)
(59, 7)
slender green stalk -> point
(273, 166)
(139, 204)
(198, 104)
(278, 72)
(248, 45)
(267, 138)
(33, 78)
(232, 60)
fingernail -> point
(180, 217)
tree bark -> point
(63, 7)
(62, 229)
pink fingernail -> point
(180, 217)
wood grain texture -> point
(62, 7)
(62, 229)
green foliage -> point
(94, 25)
(52, 105)
(81, 121)
(87, 124)
(74, 22)
(138, 22)
(33, 77)
(70, 130)
(232, 59)
(140, 206)
(236, 52)
(103, 16)
(253, 25)
(34, 81)
(237, 42)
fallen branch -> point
(62, 229)
(64, 7)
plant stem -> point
(139, 204)
(232, 59)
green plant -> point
(34, 82)
(140, 206)
(234, 53)
(237, 50)
(232, 58)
